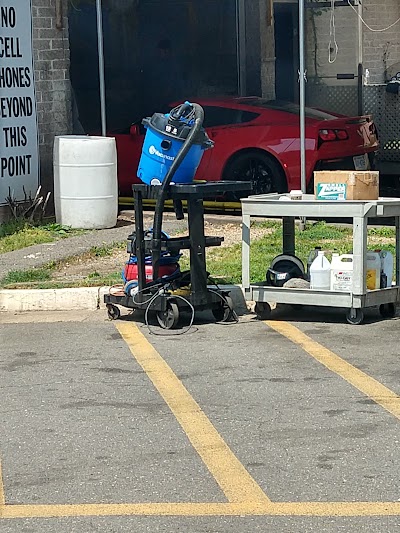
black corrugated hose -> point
(159, 209)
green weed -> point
(26, 276)
(18, 234)
(107, 249)
(93, 275)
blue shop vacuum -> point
(172, 151)
(166, 136)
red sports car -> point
(258, 140)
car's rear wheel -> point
(261, 169)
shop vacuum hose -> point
(159, 209)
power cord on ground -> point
(163, 292)
(232, 311)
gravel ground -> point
(82, 266)
(73, 252)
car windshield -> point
(288, 107)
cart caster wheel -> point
(355, 316)
(224, 312)
(262, 310)
(169, 318)
(387, 310)
(113, 312)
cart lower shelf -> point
(263, 295)
(168, 306)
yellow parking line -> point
(245, 497)
(313, 509)
(229, 473)
(361, 381)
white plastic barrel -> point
(85, 181)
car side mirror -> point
(134, 129)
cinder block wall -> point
(319, 68)
(53, 89)
(381, 49)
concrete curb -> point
(86, 298)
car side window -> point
(248, 116)
(225, 116)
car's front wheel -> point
(261, 169)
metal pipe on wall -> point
(360, 79)
(101, 67)
(59, 15)
(241, 46)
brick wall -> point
(53, 94)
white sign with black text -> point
(19, 158)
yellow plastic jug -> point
(373, 271)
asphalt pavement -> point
(290, 425)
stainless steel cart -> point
(271, 205)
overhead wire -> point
(369, 27)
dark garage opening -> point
(286, 51)
(203, 39)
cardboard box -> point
(346, 185)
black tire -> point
(113, 312)
(169, 318)
(263, 310)
(261, 169)
(355, 317)
(387, 310)
(224, 311)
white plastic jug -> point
(320, 273)
(373, 271)
(387, 266)
(342, 272)
(311, 256)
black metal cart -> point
(165, 303)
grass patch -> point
(227, 262)
(26, 276)
(42, 279)
(107, 250)
(223, 263)
(18, 234)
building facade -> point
(352, 49)
(253, 48)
